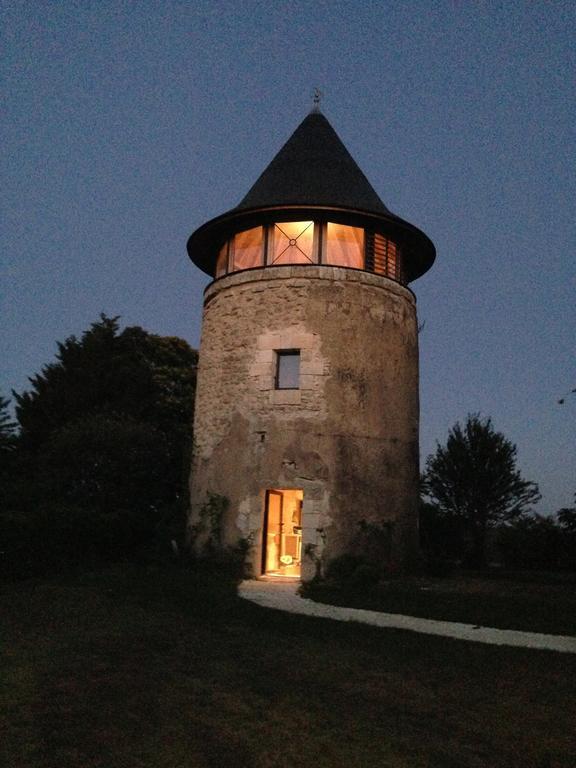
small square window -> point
(288, 369)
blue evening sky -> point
(126, 125)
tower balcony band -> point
(312, 205)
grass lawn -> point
(524, 601)
(160, 667)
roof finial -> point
(317, 96)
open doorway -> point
(282, 544)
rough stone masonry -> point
(348, 436)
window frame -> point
(271, 240)
(283, 353)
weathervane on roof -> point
(316, 98)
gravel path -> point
(283, 597)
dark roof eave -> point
(203, 245)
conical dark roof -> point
(314, 168)
(313, 176)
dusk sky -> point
(126, 125)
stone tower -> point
(307, 410)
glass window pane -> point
(288, 369)
(345, 246)
(248, 249)
(222, 261)
(293, 243)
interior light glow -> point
(248, 249)
(283, 534)
(293, 243)
(222, 261)
(345, 246)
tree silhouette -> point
(7, 427)
(140, 375)
(473, 481)
(103, 449)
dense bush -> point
(342, 568)
(441, 537)
(532, 542)
(352, 570)
(540, 543)
(59, 537)
(365, 576)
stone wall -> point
(348, 436)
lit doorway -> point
(282, 545)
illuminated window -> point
(380, 249)
(345, 246)
(383, 257)
(222, 261)
(288, 369)
(300, 242)
(248, 249)
(393, 264)
(293, 243)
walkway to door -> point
(283, 596)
